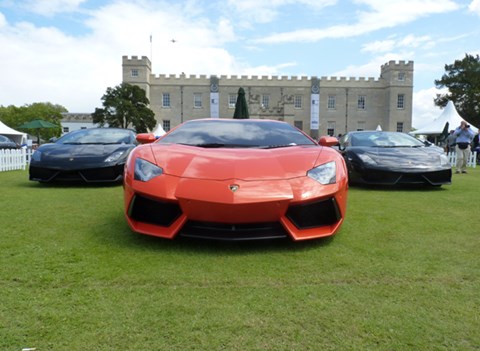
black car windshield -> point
(384, 139)
(236, 133)
(98, 136)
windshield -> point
(98, 136)
(237, 133)
(384, 139)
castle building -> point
(318, 106)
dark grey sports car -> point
(393, 158)
(88, 155)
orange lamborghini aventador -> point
(235, 179)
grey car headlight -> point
(324, 174)
(114, 157)
(367, 159)
(144, 170)
(37, 156)
(444, 161)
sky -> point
(68, 52)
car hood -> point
(400, 157)
(238, 163)
(58, 152)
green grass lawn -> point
(402, 274)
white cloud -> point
(475, 7)
(381, 14)
(408, 42)
(424, 109)
(51, 7)
(264, 11)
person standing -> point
(464, 135)
(450, 141)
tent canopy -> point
(449, 115)
(158, 131)
(19, 137)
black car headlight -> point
(114, 156)
(367, 159)
(144, 170)
(324, 174)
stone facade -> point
(319, 106)
(75, 121)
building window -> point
(197, 100)
(401, 76)
(66, 129)
(331, 128)
(400, 127)
(134, 72)
(166, 100)
(331, 102)
(400, 101)
(361, 102)
(361, 126)
(298, 124)
(166, 125)
(297, 101)
(232, 100)
(265, 101)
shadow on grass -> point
(121, 235)
(403, 187)
(69, 185)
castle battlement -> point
(397, 65)
(134, 60)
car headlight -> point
(37, 156)
(444, 161)
(324, 174)
(367, 159)
(115, 156)
(144, 170)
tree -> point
(14, 117)
(125, 106)
(462, 79)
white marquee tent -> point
(158, 131)
(19, 137)
(449, 115)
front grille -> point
(104, 174)
(439, 177)
(42, 174)
(233, 232)
(107, 174)
(433, 178)
(381, 177)
(151, 211)
(316, 214)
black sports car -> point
(7, 143)
(393, 158)
(88, 155)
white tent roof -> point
(18, 137)
(158, 131)
(449, 115)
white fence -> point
(472, 162)
(18, 159)
(11, 160)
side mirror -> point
(328, 141)
(145, 138)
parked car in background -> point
(7, 143)
(393, 158)
(235, 179)
(86, 155)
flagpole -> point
(151, 51)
